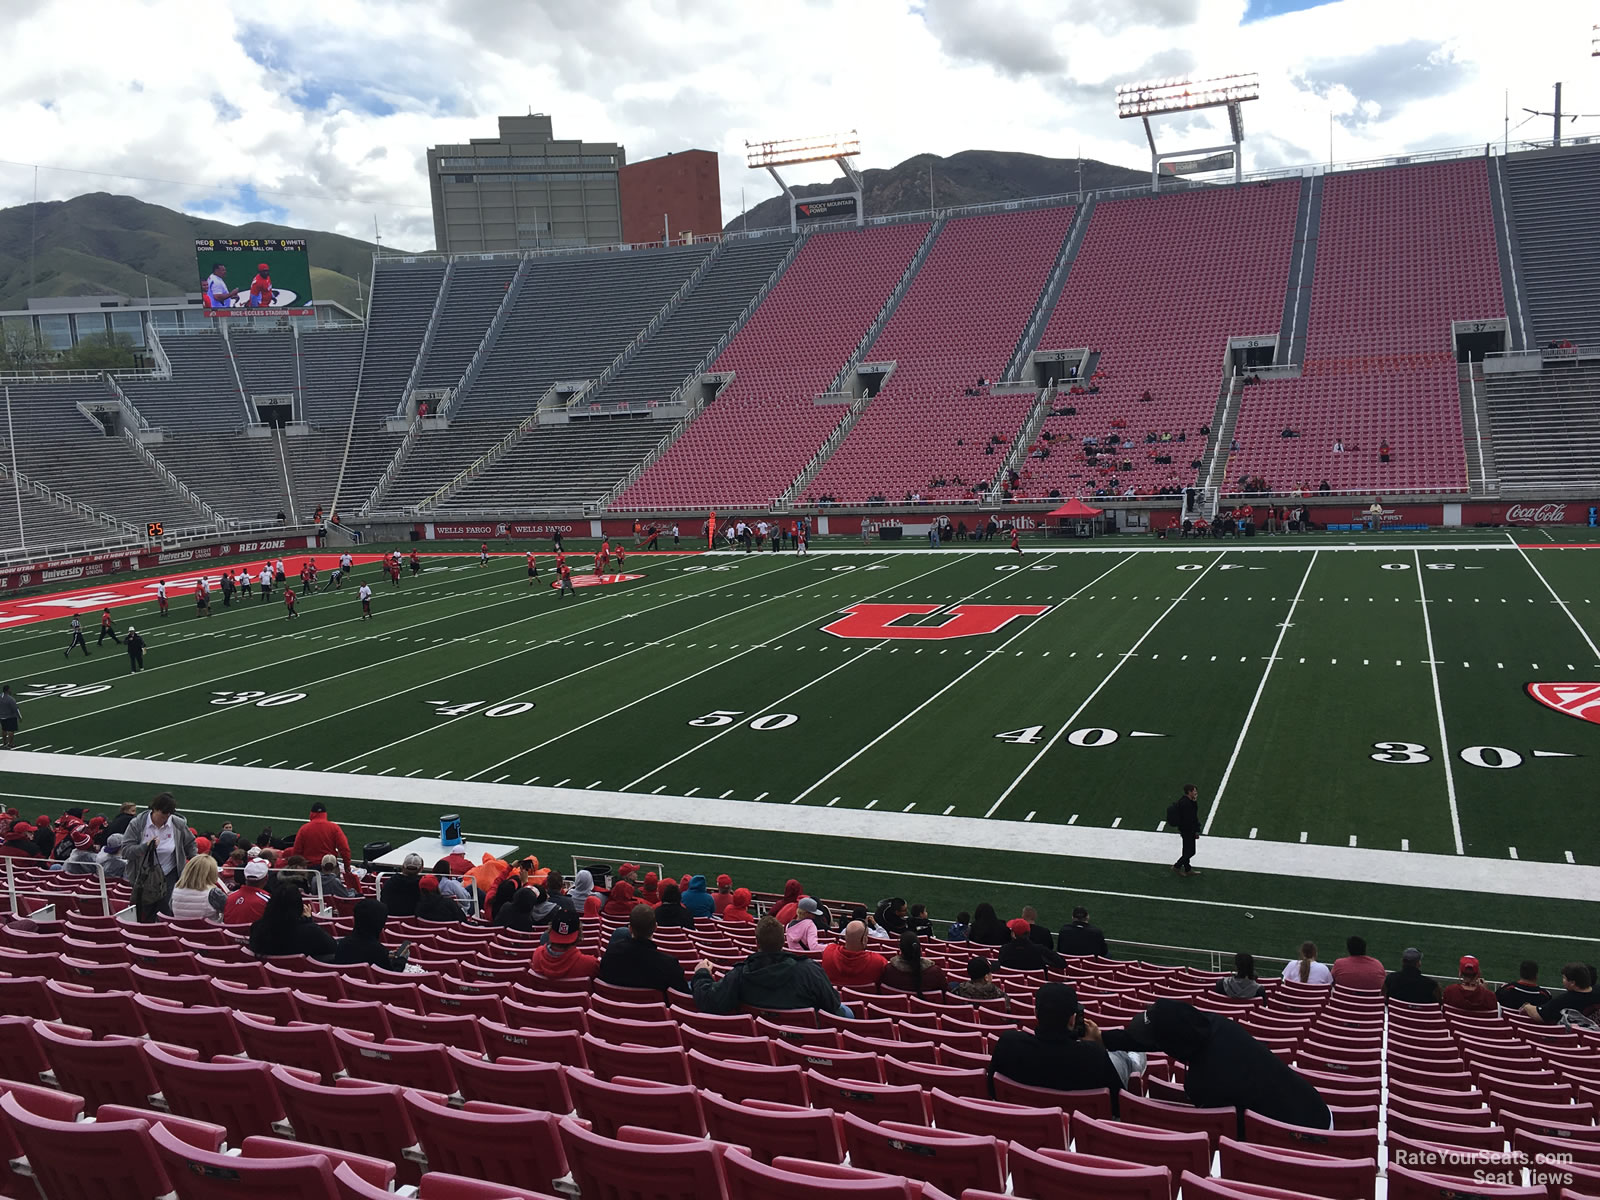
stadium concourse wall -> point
(92, 566)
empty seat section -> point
(751, 442)
(959, 322)
(1401, 253)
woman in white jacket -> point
(196, 897)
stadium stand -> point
(503, 1075)
(1557, 227)
(266, 361)
(1546, 428)
(946, 336)
(241, 476)
(471, 300)
(60, 447)
(573, 315)
(1401, 254)
(202, 395)
(750, 443)
(1158, 287)
(568, 465)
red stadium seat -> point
(363, 1118)
(1047, 1174)
(1043, 1128)
(489, 1141)
(209, 1031)
(1276, 1166)
(662, 1064)
(1177, 1151)
(640, 1164)
(798, 1179)
(1215, 1123)
(541, 1085)
(748, 1081)
(309, 1047)
(240, 1096)
(199, 1175)
(608, 1105)
(1406, 1184)
(874, 1102)
(1338, 1143)
(950, 1160)
(112, 1160)
(772, 1131)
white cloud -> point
(325, 110)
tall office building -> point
(525, 190)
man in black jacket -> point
(1022, 953)
(1226, 1067)
(769, 978)
(1065, 1053)
(1409, 985)
(635, 962)
(1081, 937)
(1186, 820)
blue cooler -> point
(450, 831)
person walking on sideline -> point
(1184, 816)
(135, 645)
(107, 629)
(289, 604)
(366, 602)
(161, 597)
(77, 638)
(10, 717)
(1016, 539)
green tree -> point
(101, 352)
(21, 349)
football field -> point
(1388, 729)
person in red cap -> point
(738, 910)
(723, 896)
(1022, 953)
(559, 957)
(262, 292)
(18, 842)
(433, 906)
(1470, 993)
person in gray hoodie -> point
(697, 900)
(769, 978)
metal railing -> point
(158, 351)
(1029, 341)
(402, 452)
(1037, 412)
(130, 412)
(171, 480)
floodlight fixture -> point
(788, 152)
(1159, 96)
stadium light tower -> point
(788, 152)
(1163, 97)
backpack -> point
(1571, 1018)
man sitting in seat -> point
(1064, 1053)
(634, 961)
(769, 978)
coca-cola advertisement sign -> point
(1537, 514)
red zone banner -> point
(963, 620)
(180, 585)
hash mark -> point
(873, 803)
(1302, 837)
(761, 797)
(725, 794)
(302, 766)
(1030, 815)
(1513, 852)
(1116, 823)
(1569, 856)
(1252, 833)
(1352, 839)
(834, 801)
(952, 809)
(1073, 819)
(568, 780)
(659, 790)
(526, 782)
(1405, 843)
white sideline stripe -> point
(684, 679)
(1388, 868)
(1283, 629)
(768, 709)
(1560, 603)
(1438, 706)
(1122, 661)
(986, 658)
(1180, 547)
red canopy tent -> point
(1075, 508)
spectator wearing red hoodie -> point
(319, 836)
(738, 910)
(1470, 994)
(650, 893)
(848, 962)
(723, 896)
(245, 906)
(559, 957)
(789, 903)
(621, 900)
(459, 863)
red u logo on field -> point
(964, 620)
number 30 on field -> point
(1493, 758)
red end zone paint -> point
(579, 581)
(180, 590)
(964, 620)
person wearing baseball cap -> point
(1022, 953)
(245, 906)
(1225, 1066)
(559, 956)
(1470, 993)
(723, 896)
(1065, 1052)
(1409, 985)
(18, 842)
(261, 288)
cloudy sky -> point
(318, 113)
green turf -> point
(1175, 640)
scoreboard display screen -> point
(244, 276)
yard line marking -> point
(413, 774)
(277, 764)
(1569, 857)
(1073, 819)
(1352, 839)
(659, 790)
(725, 794)
(1302, 836)
(505, 658)
(985, 658)
(568, 780)
(1565, 607)
(385, 771)
(952, 809)
(907, 808)
(760, 798)
(1255, 702)
(1438, 705)
(721, 662)
(1029, 817)
(502, 779)
(1405, 843)
(302, 766)
(1513, 852)
(1252, 833)
(873, 803)
(1122, 661)
(526, 782)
